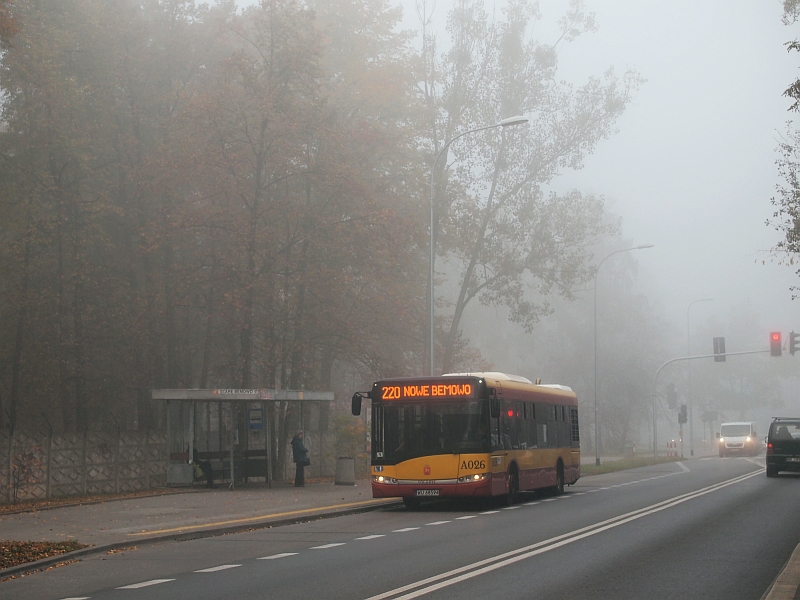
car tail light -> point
(769, 449)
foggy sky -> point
(691, 168)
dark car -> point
(783, 446)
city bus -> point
(471, 435)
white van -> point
(738, 437)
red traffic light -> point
(775, 343)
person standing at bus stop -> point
(300, 458)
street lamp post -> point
(689, 374)
(596, 420)
(510, 121)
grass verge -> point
(17, 553)
(624, 464)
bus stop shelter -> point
(229, 428)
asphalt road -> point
(706, 528)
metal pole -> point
(504, 123)
(672, 360)
(689, 375)
(596, 413)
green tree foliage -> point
(494, 217)
(200, 196)
(193, 197)
(786, 218)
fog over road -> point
(707, 528)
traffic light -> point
(794, 342)
(682, 418)
(775, 343)
(719, 349)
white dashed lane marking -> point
(219, 568)
(136, 586)
(144, 584)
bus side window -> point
(530, 425)
(575, 429)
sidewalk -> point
(194, 514)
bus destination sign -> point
(433, 390)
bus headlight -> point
(747, 439)
(473, 478)
(721, 440)
(383, 479)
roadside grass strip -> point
(215, 569)
(143, 584)
(425, 586)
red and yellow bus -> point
(471, 435)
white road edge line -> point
(437, 523)
(326, 546)
(77, 598)
(281, 555)
(502, 560)
(404, 529)
(466, 517)
(136, 586)
(371, 537)
(683, 466)
(215, 569)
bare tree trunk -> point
(22, 325)
(463, 298)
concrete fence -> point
(40, 465)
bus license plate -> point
(427, 492)
(790, 459)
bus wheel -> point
(559, 486)
(411, 503)
(512, 489)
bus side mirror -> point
(355, 404)
(494, 405)
(718, 435)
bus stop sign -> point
(255, 419)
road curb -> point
(266, 523)
(788, 582)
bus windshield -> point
(420, 429)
